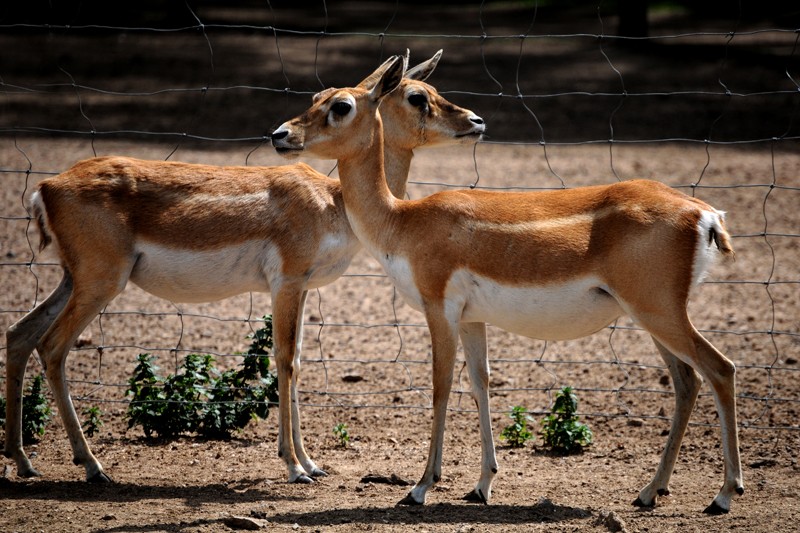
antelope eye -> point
(341, 108)
(417, 99)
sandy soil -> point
(193, 485)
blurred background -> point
(567, 71)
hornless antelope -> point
(197, 233)
(550, 265)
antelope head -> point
(414, 113)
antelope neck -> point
(397, 164)
(368, 200)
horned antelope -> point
(198, 233)
(550, 265)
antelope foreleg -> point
(297, 438)
(444, 341)
(286, 309)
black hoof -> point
(475, 496)
(100, 477)
(715, 509)
(739, 490)
(408, 500)
(663, 492)
(639, 503)
(303, 480)
(318, 473)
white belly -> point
(184, 275)
(562, 311)
(567, 310)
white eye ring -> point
(341, 110)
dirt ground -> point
(193, 485)
(366, 355)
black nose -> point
(476, 120)
(280, 134)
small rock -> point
(635, 422)
(393, 479)
(243, 522)
(545, 506)
(352, 378)
(791, 361)
(109, 517)
(611, 521)
(397, 480)
(763, 463)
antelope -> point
(199, 233)
(551, 265)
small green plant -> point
(517, 434)
(262, 341)
(36, 411)
(239, 396)
(92, 423)
(199, 399)
(184, 394)
(145, 387)
(341, 433)
(561, 430)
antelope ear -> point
(422, 71)
(390, 79)
(369, 82)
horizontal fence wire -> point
(505, 65)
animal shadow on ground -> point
(544, 511)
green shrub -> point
(199, 399)
(561, 430)
(517, 434)
(146, 405)
(36, 411)
(239, 396)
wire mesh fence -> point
(711, 101)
